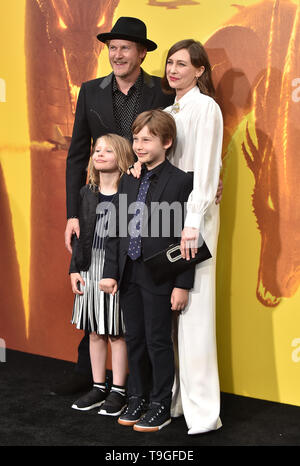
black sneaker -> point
(135, 408)
(114, 404)
(90, 400)
(156, 417)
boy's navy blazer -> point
(172, 185)
(94, 118)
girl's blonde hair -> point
(123, 153)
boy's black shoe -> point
(156, 417)
(114, 404)
(90, 400)
(135, 408)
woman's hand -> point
(135, 170)
(189, 242)
(75, 278)
(179, 299)
(108, 285)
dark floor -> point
(31, 416)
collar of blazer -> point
(164, 177)
(104, 107)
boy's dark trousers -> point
(148, 323)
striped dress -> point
(94, 310)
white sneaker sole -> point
(88, 408)
(105, 413)
(150, 429)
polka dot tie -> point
(135, 242)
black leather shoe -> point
(156, 417)
(135, 408)
(76, 383)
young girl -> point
(95, 311)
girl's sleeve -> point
(207, 146)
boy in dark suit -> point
(147, 306)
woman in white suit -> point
(198, 149)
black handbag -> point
(168, 263)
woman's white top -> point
(198, 149)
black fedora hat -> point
(132, 29)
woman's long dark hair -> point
(198, 58)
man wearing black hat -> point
(107, 105)
(111, 104)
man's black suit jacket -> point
(173, 185)
(94, 118)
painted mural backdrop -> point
(254, 50)
(61, 51)
(262, 42)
